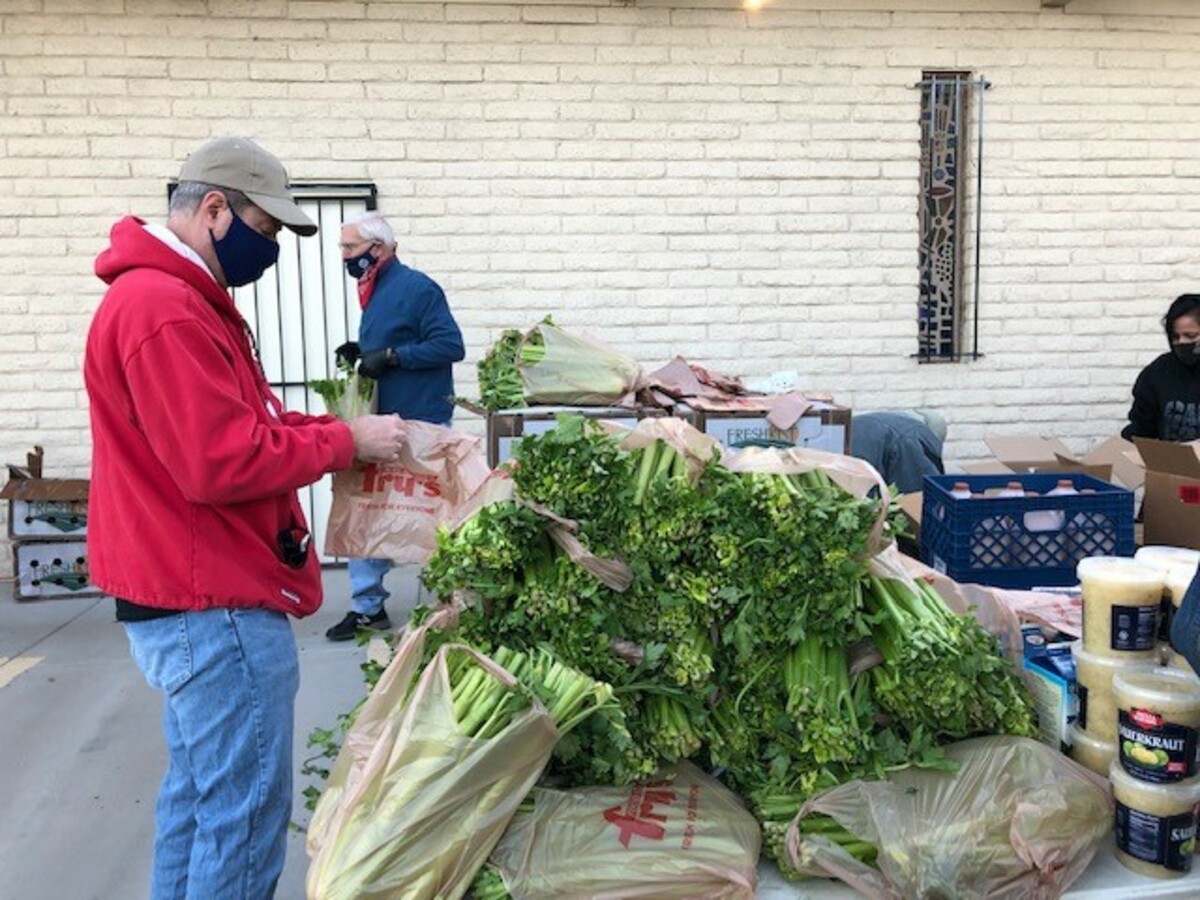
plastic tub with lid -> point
(1093, 686)
(1092, 752)
(1121, 601)
(1158, 724)
(1155, 824)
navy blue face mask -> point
(243, 253)
(358, 266)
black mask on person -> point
(358, 266)
(1188, 354)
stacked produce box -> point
(47, 522)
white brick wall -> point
(679, 177)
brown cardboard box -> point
(506, 427)
(1108, 460)
(823, 426)
(44, 508)
(1171, 506)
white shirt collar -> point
(168, 237)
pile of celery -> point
(752, 639)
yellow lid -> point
(1119, 568)
(1156, 688)
(1081, 738)
(1117, 663)
(1178, 793)
(1163, 557)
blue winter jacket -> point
(408, 312)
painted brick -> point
(736, 188)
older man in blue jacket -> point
(408, 341)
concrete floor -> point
(82, 754)
(81, 746)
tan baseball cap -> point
(241, 165)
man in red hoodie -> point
(194, 525)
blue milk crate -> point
(995, 541)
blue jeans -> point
(229, 679)
(367, 592)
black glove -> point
(347, 354)
(376, 362)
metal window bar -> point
(944, 126)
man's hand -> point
(347, 354)
(377, 438)
(376, 362)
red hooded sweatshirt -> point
(195, 466)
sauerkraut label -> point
(1081, 693)
(1153, 749)
(1134, 627)
(1167, 841)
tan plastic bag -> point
(576, 371)
(1017, 821)
(393, 510)
(374, 729)
(429, 803)
(678, 835)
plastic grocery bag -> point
(375, 726)
(574, 371)
(428, 803)
(1017, 821)
(393, 510)
(680, 834)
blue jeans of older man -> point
(367, 592)
(229, 679)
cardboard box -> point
(1107, 461)
(1051, 670)
(824, 426)
(507, 426)
(52, 569)
(1171, 505)
(44, 508)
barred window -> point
(944, 214)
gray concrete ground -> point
(81, 748)
(81, 753)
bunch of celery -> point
(500, 383)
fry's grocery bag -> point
(393, 510)
(418, 816)
(680, 834)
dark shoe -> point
(349, 627)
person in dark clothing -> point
(1166, 395)
(904, 446)
(408, 342)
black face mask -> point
(358, 266)
(1188, 354)
(243, 253)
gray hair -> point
(187, 196)
(373, 226)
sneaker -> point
(348, 628)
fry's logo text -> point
(638, 815)
(400, 481)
